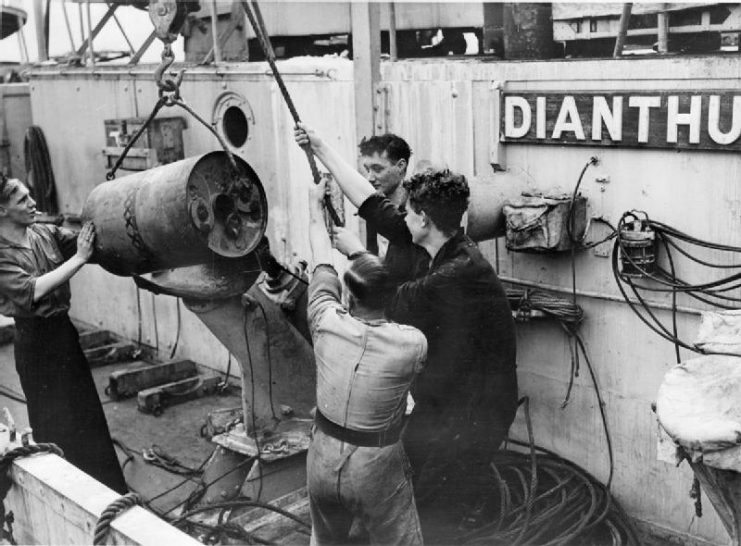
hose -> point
(567, 506)
(713, 293)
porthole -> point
(233, 119)
(235, 127)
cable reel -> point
(637, 243)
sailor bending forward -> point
(356, 464)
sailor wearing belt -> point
(36, 263)
(356, 465)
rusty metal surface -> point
(220, 279)
(177, 215)
(277, 362)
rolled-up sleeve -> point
(67, 241)
(386, 218)
(17, 285)
(324, 293)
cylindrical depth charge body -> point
(177, 215)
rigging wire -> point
(154, 323)
(138, 317)
(177, 331)
(255, 18)
(270, 360)
(569, 316)
(253, 419)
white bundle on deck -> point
(699, 402)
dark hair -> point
(369, 282)
(443, 196)
(8, 186)
(396, 148)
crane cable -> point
(258, 25)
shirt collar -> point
(450, 246)
(6, 243)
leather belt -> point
(356, 437)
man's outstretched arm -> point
(355, 187)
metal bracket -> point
(496, 149)
(381, 109)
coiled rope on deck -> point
(111, 511)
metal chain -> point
(210, 127)
(169, 95)
(169, 88)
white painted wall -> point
(445, 111)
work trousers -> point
(450, 448)
(372, 484)
(62, 401)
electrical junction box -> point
(159, 144)
(537, 223)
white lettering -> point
(540, 117)
(714, 121)
(644, 104)
(692, 118)
(568, 112)
(613, 120)
(510, 129)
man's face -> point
(417, 224)
(20, 208)
(384, 174)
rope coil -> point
(111, 511)
(6, 460)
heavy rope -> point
(524, 301)
(103, 526)
(238, 503)
(6, 460)
(534, 498)
(569, 315)
(539, 498)
(255, 17)
(39, 172)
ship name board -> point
(707, 120)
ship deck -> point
(175, 433)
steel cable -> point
(255, 18)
